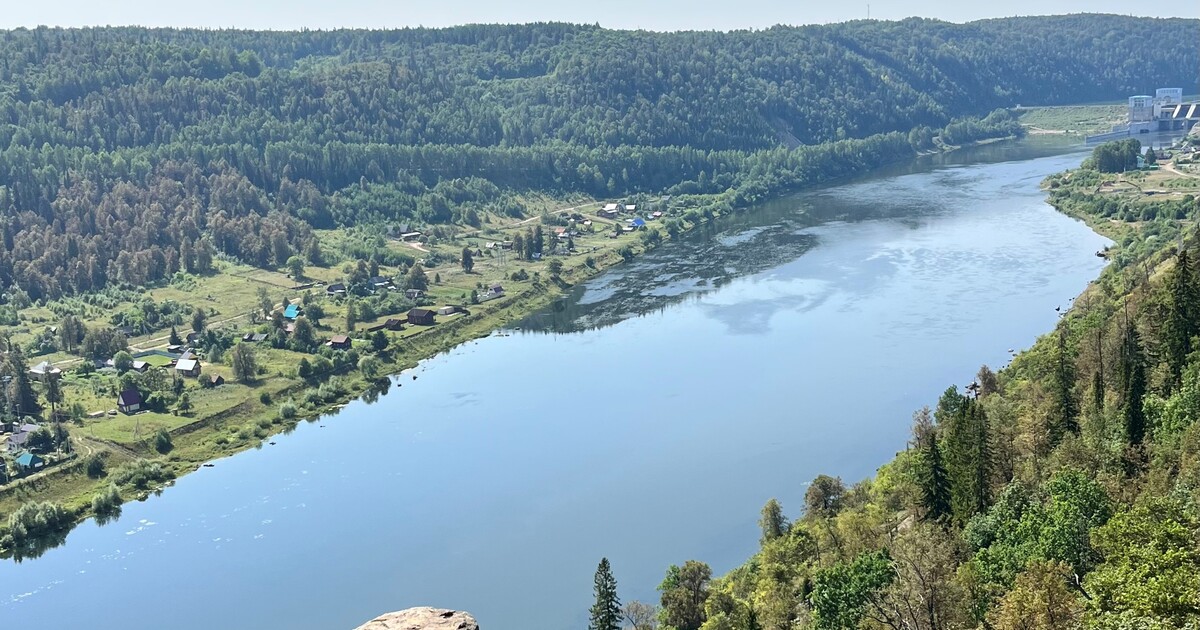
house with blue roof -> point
(292, 311)
(28, 461)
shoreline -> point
(197, 445)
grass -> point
(1073, 119)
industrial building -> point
(1165, 111)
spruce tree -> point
(968, 460)
(935, 483)
(1063, 385)
(1183, 316)
(606, 613)
(1134, 376)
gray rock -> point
(422, 619)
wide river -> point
(647, 419)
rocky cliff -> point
(422, 619)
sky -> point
(660, 15)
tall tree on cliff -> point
(1182, 316)
(934, 481)
(773, 523)
(968, 458)
(1063, 391)
(1133, 373)
(606, 612)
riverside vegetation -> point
(156, 182)
(1059, 492)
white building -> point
(1141, 108)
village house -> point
(292, 311)
(188, 367)
(493, 292)
(254, 337)
(129, 402)
(390, 323)
(44, 369)
(414, 294)
(380, 282)
(609, 211)
(192, 338)
(336, 289)
(216, 380)
(448, 310)
(140, 366)
(17, 442)
(421, 317)
(176, 348)
(339, 342)
(27, 462)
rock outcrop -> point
(422, 619)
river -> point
(647, 418)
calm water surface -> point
(646, 419)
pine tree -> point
(606, 613)
(351, 316)
(174, 339)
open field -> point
(1072, 119)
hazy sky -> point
(649, 14)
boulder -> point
(422, 619)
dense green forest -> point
(127, 154)
(1060, 492)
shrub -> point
(287, 410)
(141, 473)
(95, 466)
(33, 520)
(106, 501)
(162, 442)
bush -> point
(265, 398)
(141, 473)
(287, 410)
(162, 442)
(95, 466)
(33, 520)
(106, 501)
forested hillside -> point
(124, 151)
(1060, 492)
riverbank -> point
(1039, 485)
(535, 446)
(250, 419)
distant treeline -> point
(119, 146)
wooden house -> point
(130, 401)
(188, 367)
(421, 317)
